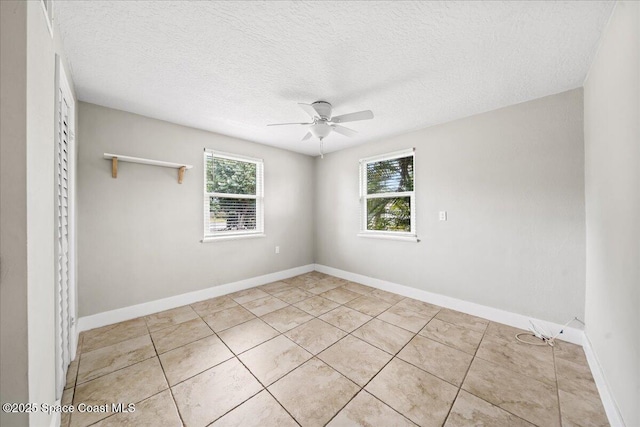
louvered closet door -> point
(63, 269)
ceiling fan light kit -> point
(323, 124)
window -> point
(387, 196)
(233, 196)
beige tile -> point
(183, 333)
(577, 379)
(519, 394)
(273, 359)
(105, 360)
(383, 335)
(503, 331)
(293, 295)
(570, 352)
(246, 335)
(324, 285)
(345, 318)
(213, 305)
(317, 275)
(456, 336)
(209, 395)
(275, 287)
(366, 410)
(531, 360)
(261, 410)
(158, 410)
(355, 359)
(462, 319)
(112, 334)
(389, 297)
(191, 359)
(315, 335)
(418, 306)
(67, 399)
(171, 317)
(286, 318)
(368, 305)
(262, 306)
(225, 319)
(578, 411)
(404, 318)
(313, 393)
(72, 372)
(438, 359)
(247, 295)
(340, 295)
(301, 280)
(316, 306)
(419, 396)
(129, 385)
(358, 288)
(469, 410)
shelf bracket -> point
(114, 167)
(115, 158)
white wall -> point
(139, 235)
(612, 148)
(28, 231)
(511, 181)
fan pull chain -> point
(321, 148)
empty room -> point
(319, 213)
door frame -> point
(63, 90)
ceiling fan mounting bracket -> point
(323, 108)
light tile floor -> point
(316, 350)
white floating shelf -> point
(115, 158)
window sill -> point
(210, 239)
(405, 238)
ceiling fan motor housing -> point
(323, 108)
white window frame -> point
(364, 197)
(259, 197)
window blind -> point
(387, 193)
(233, 202)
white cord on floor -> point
(541, 334)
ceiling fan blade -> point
(286, 124)
(343, 130)
(307, 136)
(353, 117)
(309, 110)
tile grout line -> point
(175, 403)
(465, 375)
(393, 356)
(555, 371)
(471, 393)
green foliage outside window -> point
(389, 176)
(231, 177)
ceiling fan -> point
(323, 123)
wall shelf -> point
(115, 158)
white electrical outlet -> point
(277, 249)
(443, 215)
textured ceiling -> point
(234, 66)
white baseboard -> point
(127, 313)
(610, 406)
(572, 335)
